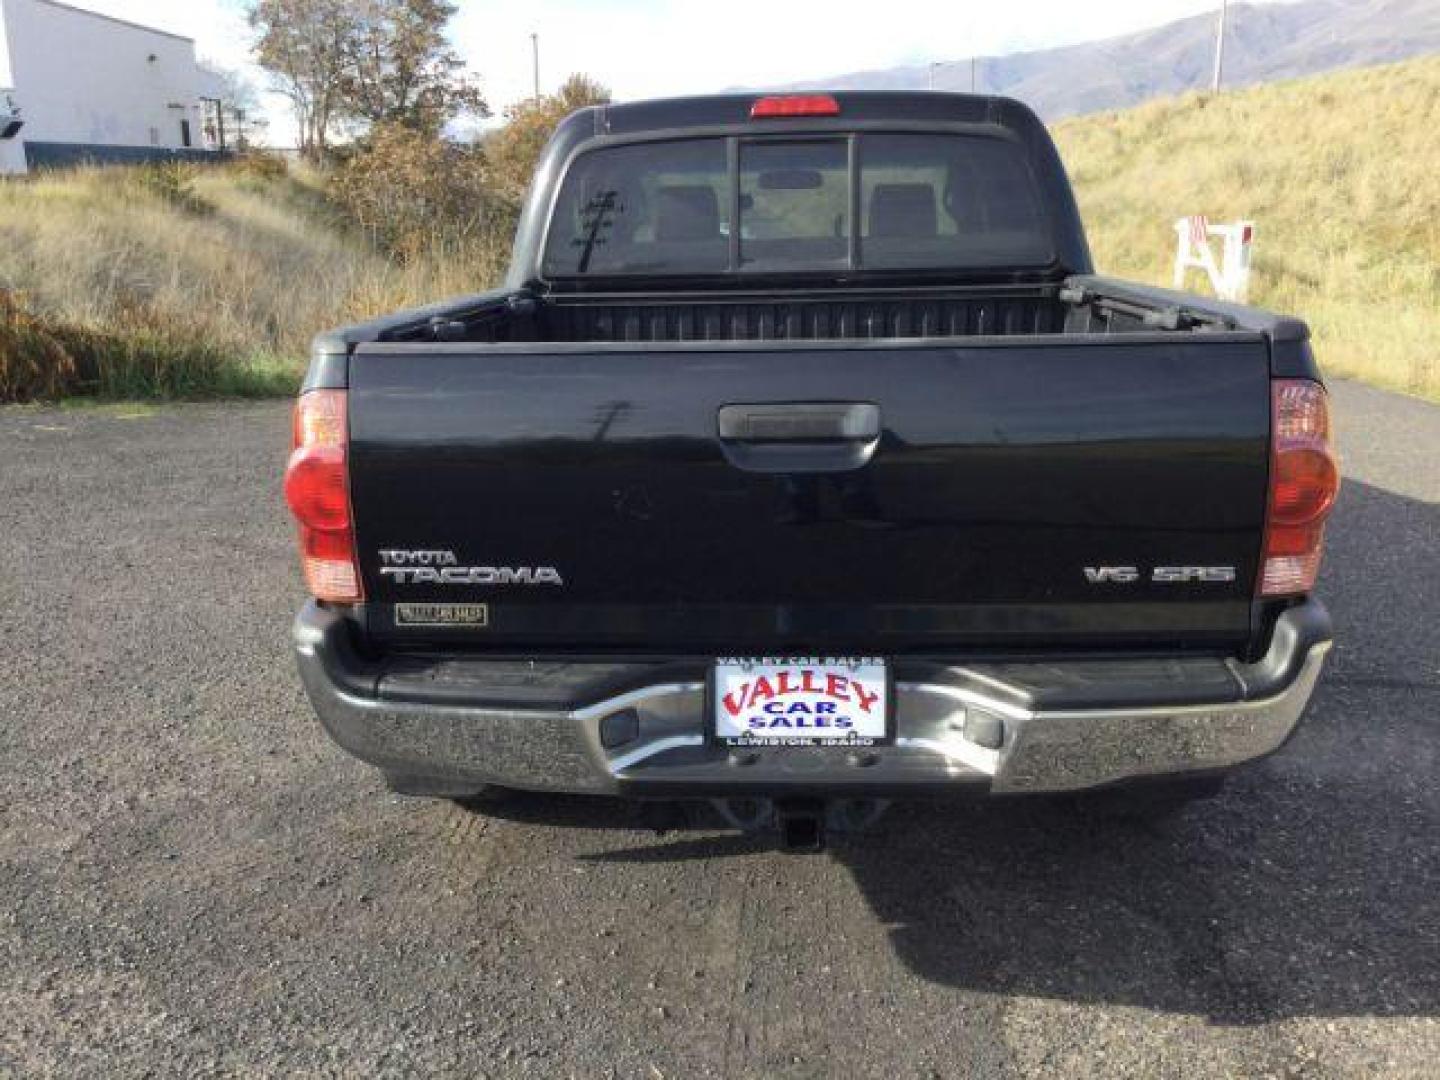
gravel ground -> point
(194, 881)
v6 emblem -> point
(1111, 575)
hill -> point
(1264, 43)
(1340, 173)
(166, 281)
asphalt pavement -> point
(194, 881)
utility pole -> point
(535, 51)
(1220, 47)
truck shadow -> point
(1226, 912)
(1308, 888)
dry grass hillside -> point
(1341, 174)
(166, 281)
(184, 282)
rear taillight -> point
(783, 105)
(317, 488)
(1304, 480)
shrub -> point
(174, 182)
(414, 195)
(34, 362)
(514, 150)
(260, 164)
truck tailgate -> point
(899, 496)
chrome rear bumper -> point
(1003, 729)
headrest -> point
(687, 212)
(903, 210)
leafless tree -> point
(308, 47)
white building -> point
(87, 86)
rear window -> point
(882, 200)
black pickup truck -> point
(804, 463)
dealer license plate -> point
(802, 701)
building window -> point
(185, 133)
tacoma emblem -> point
(441, 567)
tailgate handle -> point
(825, 422)
(799, 436)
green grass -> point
(44, 357)
(1341, 174)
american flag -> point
(1199, 229)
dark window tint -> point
(927, 201)
(647, 208)
(794, 205)
(947, 200)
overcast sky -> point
(649, 48)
